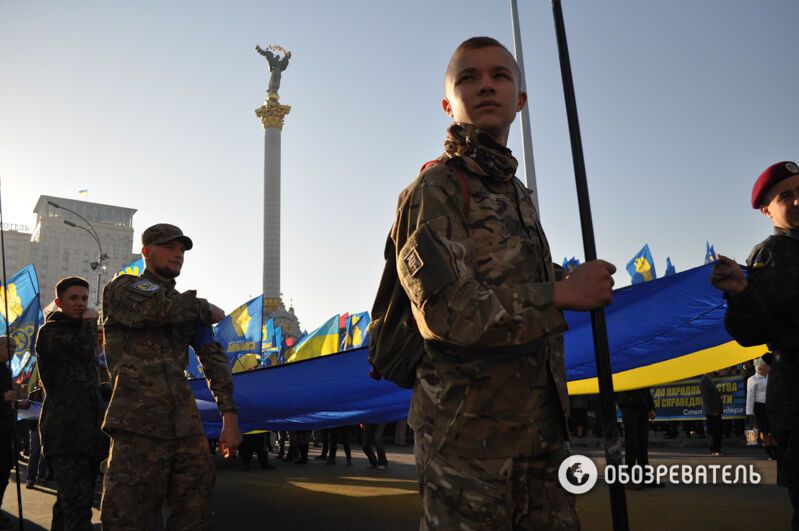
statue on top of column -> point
(276, 64)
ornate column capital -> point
(272, 113)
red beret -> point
(773, 174)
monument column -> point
(272, 115)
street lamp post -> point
(99, 265)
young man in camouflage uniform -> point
(159, 453)
(764, 308)
(489, 404)
(72, 411)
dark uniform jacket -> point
(72, 410)
(636, 399)
(767, 311)
(492, 382)
(7, 415)
(148, 327)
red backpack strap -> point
(461, 176)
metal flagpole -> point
(618, 503)
(10, 353)
(527, 140)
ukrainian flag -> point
(641, 267)
(322, 341)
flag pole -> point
(10, 354)
(618, 503)
(527, 141)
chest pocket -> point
(535, 233)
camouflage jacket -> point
(148, 328)
(481, 284)
(73, 409)
(767, 311)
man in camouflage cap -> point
(764, 308)
(489, 403)
(72, 413)
(159, 453)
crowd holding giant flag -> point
(669, 342)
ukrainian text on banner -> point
(683, 400)
(240, 332)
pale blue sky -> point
(150, 105)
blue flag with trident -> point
(641, 267)
(710, 253)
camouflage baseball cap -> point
(164, 233)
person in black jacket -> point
(637, 409)
(763, 307)
(72, 410)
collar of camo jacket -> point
(479, 152)
(151, 276)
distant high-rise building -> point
(58, 249)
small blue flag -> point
(641, 267)
(710, 253)
(570, 264)
(670, 270)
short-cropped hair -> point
(476, 43)
(67, 282)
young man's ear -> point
(447, 107)
(765, 212)
(522, 101)
(145, 251)
(58, 302)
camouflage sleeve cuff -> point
(204, 311)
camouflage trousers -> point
(468, 494)
(146, 476)
(76, 476)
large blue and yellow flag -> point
(642, 267)
(710, 253)
(322, 341)
(240, 332)
(658, 332)
(135, 268)
(356, 331)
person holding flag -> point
(489, 404)
(762, 308)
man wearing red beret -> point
(763, 307)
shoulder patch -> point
(145, 286)
(413, 261)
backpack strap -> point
(461, 176)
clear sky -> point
(150, 105)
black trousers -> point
(6, 457)
(714, 427)
(636, 436)
(76, 476)
(254, 442)
(373, 436)
(339, 435)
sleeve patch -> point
(145, 286)
(413, 261)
